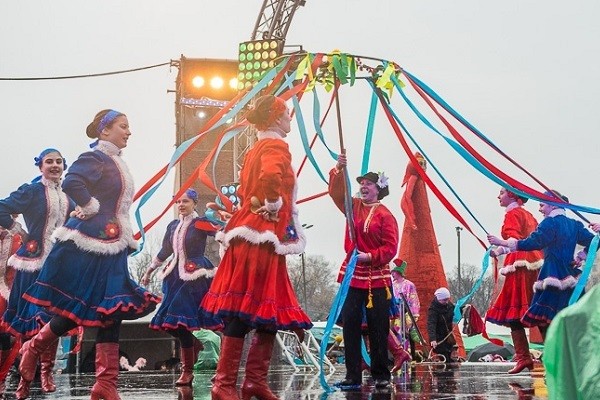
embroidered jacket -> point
(100, 182)
(44, 208)
(557, 235)
(376, 233)
(185, 240)
(268, 176)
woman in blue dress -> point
(557, 235)
(85, 280)
(186, 279)
(44, 208)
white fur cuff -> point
(92, 207)
(274, 207)
(512, 244)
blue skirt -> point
(88, 288)
(21, 317)
(180, 306)
(545, 304)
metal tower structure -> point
(275, 18)
(273, 22)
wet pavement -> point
(425, 381)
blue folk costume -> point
(44, 208)
(85, 277)
(557, 235)
(186, 277)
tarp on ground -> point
(571, 357)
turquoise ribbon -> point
(369, 135)
(485, 264)
(589, 263)
(471, 160)
(423, 153)
(334, 313)
(185, 145)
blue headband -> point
(39, 159)
(192, 194)
(557, 196)
(107, 119)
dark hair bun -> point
(92, 129)
(260, 112)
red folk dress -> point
(251, 282)
(376, 233)
(520, 269)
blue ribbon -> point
(485, 264)
(431, 164)
(334, 313)
(471, 160)
(369, 135)
(185, 145)
(589, 263)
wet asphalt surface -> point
(424, 381)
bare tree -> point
(316, 288)
(139, 263)
(469, 275)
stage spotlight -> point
(198, 81)
(201, 114)
(255, 58)
(216, 82)
(205, 78)
(230, 190)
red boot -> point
(107, 372)
(187, 367)
(400, 355)
(47, 359)
(30, 353)
(523, 357)
(257, 368)
(198, 347)
(227, 369)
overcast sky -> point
(523, 72)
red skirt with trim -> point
(252, 284)
(514, 298)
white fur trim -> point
(509, 269)
(57, 206)
(16, 228)
(5, 247)
(252, 236)
(566, 283)
(100, 246)
(95, 245)
(92, 207)
(274, 206)
(179, 253)
(512, 244)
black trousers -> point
(378, 325)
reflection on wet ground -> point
(477, 381)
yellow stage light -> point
(198, 81)
(216, 82)
(207, 78)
